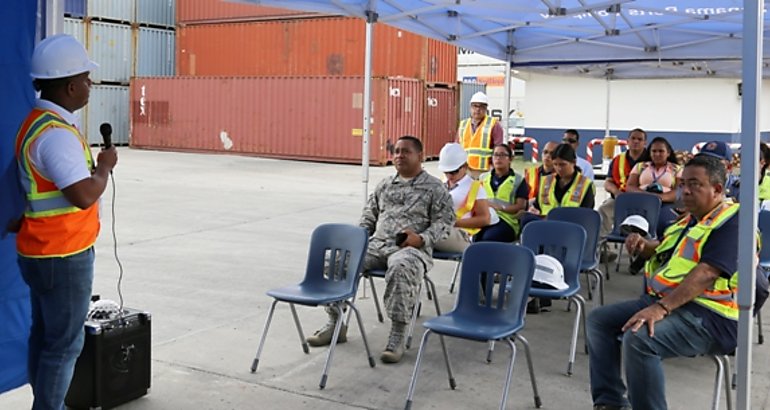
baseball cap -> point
(716, 149)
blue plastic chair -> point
(564, 241)
(430, 289)
(627, 204)
(508, 271)
(591, 221)
(331, 279)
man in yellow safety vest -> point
(689, 306)
(479, 134)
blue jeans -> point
(60, 291)
(680, 334)
(499, 232)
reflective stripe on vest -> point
(478, 144)
(52, 226)
(467, 205)
(620, 170)
(506, 191)
(764, 187)
(572, 198)
(663, 279)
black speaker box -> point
(114, 366)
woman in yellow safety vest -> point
(469, 199)
(508, 193)
(566, 187)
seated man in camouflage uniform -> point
(418, 206)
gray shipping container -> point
(467, 90)
(75, 28)
(107, 103)
(155, 52)
(111, 46)
(118, 10)
(156, 12)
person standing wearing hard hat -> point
(62, 183)
(479, 134)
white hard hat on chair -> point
(60, 56)
(548, 271)
(480, 98)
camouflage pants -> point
(405, 270)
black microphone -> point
(106, 130)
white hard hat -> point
(480, 98)
(452, 157)
(60, 56)
(548, 271)
(635, 224)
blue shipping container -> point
(155, 52)
(156, 12)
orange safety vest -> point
(532, 176)
(52, 226)
(621, 167)
(478, 144)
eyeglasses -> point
(500, 155)
(569, 140)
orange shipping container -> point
(310, 47)
(208, 11)
(311, 118)
(440, 119)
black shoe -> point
(636, 265)
(609, 407)
(533, 306)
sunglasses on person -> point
(569, 140)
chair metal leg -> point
(509, 375)
(760, 336)
(416, 370)
(728, 390)
(532, 379)
(454, 277)
(589, 285)
(717, 382)
(490, 350)
(363, 333)
(415, 311)
(579, 306)
(255, 362)
(617, 263)
(302, 340)
(606, 248)
(330, 356)
(600, 284)
(376, 300)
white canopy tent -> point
(612, 39)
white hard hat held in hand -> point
(60, 56)
(452, 157)
(480, 98)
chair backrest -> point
(764, 230)
(502, 272)
(336, 256)
(564, 241)
(591, 221)
(637, 203)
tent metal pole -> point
(507, 90)
(607, 112)
(747, 220)
(371, 19)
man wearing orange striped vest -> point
(479, 134)
(615, 184)
(535, 175)
(689, 307)
(61, 221)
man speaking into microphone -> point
(56, 234)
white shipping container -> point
(155, 53)
(111, 46)
(156, 12)
(75, 28)
(107, 103)
(118, 10)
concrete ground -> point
(202, 237)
